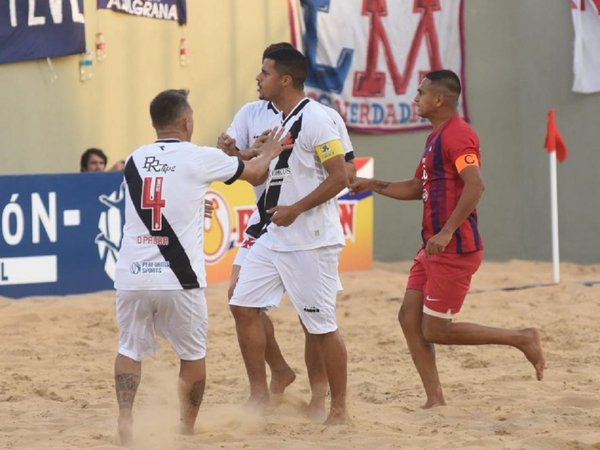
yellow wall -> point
(46, 123)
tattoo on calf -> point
(126, 385)
(196, 393)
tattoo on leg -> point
(196, 393)
(126, 385)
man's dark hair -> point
(289, 61)
(274, 47)
(168, 107)
(445, 78)
(85, 157)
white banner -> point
(367, 57)
(586, 52)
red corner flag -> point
(554, 140)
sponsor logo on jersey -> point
(281, 172)
(148, 267)
(135, 268)
(153, 164)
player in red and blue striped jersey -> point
(449, 182)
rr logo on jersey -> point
(152, 163)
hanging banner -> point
(586, 51)
(367, 57)
(153, 9)
(40, 29)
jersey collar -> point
(167, 141)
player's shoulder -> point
(459, 130)
(460, 125)
(318, 112)
(332, 113)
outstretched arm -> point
(400, 190)
(228, 145)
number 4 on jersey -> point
(152, 199)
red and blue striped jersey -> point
(443, 186)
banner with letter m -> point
(367, 57)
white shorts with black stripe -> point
(309, 276)
(180, 316)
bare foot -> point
(125, 427)
(316, 409)
(186, 429)
(433, 404)
(336, 417)
(281, 379)
(534, 352)
(258, 405)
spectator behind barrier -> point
(94, 160)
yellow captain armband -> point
(330, 149)
(464, 161)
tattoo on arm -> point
(380, 185)
(126, 385)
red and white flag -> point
(586, 49)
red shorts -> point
(444, 279)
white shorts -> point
(180, 316)
(309, 276)
(247, 244)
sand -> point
(56, 385)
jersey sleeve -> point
(419, 171)
(344, 136)
(459, 144)
(214, 165)
(325, 139)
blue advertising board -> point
(60, 233)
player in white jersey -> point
(246, 129)
(160, 275)
(300, 232)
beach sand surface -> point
(57, 390)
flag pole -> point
(554, 216)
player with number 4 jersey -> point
(160, 275)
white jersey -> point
(586, 49)
(255, 117)
(163, 235)
(249, 123)
(296, 173)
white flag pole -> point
(554, 215)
